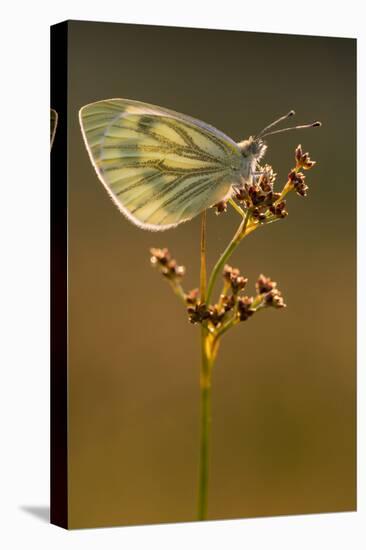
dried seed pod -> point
(159, 256)
(192, 296)
(259, 215)
(298, 181)
(264, 284)
(220, 207)
(274, 298)
(303, 160)
(198, 313)
(215, 315)
(232, 276)
(168, 267)
(244, 307)
(267, 179)
(279, 209)
(241, 195)
(228, 302)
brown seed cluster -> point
(192, 296)
(260, 196)
(232, 276)
(267, 295)
(303, 160)
(168, 267)
(199, 312)
(220, 207)
(264, 284)
(227, 302)
(296, 177)
(242, 305)
(279, 209)
(233, 304)
(267, 289)
(298, 181)
(245, 310)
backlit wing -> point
(160, 168)
(54, 120)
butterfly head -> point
(252, 149)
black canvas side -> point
(59, 447)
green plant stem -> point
(240, 233)
(203, 274)
(178, 291)
(287, 188)
(205, 385)
(236, 207)
(205, 422)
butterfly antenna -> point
(284, 117)
(301, 127)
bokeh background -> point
(284, 428)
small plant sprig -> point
(258, 204)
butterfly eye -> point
(246, 147)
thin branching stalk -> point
(239, 235)
(205, 386)
(205, 423)
(262, 206)
(178, 290)
(203, 272)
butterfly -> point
(54, 120)
(162, 168)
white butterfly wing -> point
(54, 120)
(161, 168)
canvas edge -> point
(59, 295)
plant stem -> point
(203, 275)
(178, 291)
(287, 188)
(205, 383)
(236, 207)
(240, 233)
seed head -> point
(244, 307)
(264, 284)
(192, 296)
(241, 195)
(274, 298)
(267, 289)
(279, 209)
(168, 267)
(298, 181)
(237, 281)
(259, 215)
(303, 160)
(220, 207)
(215, 315)
(159, 256)
(267, 179)
(197, 313)
(228, 302)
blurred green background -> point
(283, 432)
